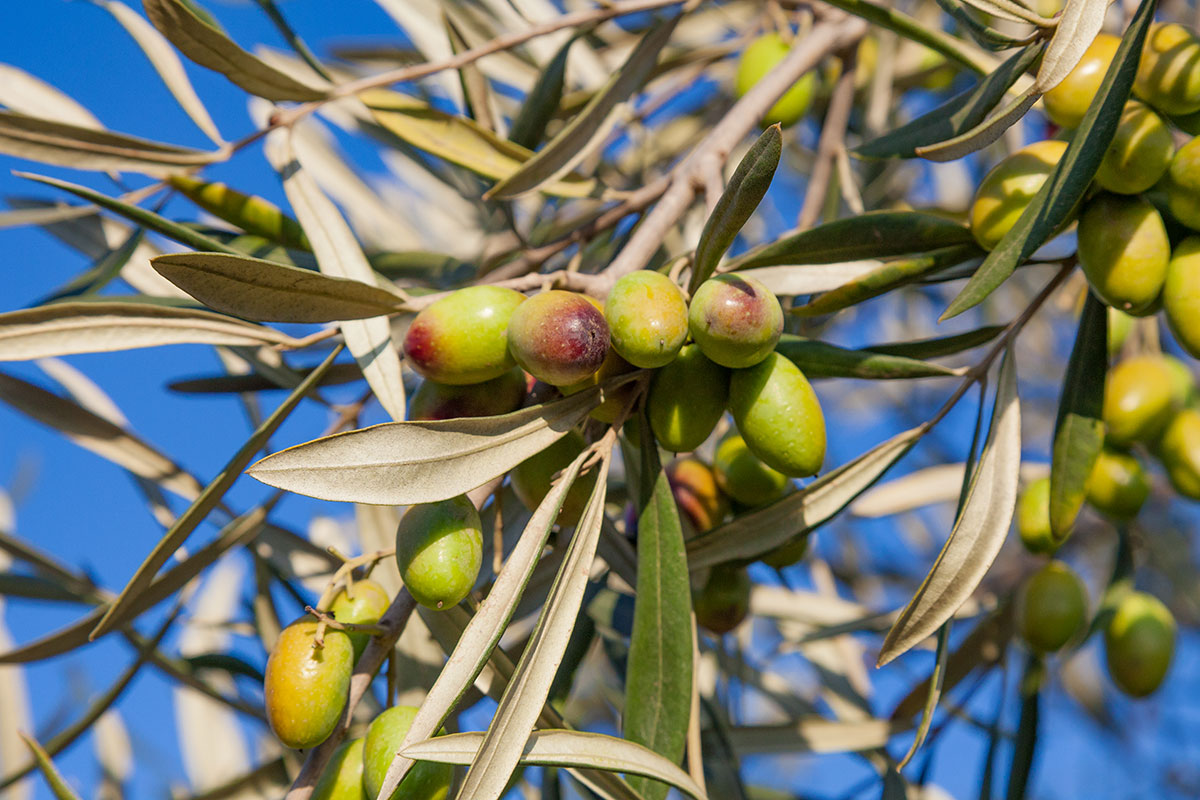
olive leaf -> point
(984, 133)
(1077, 27)
(100, 274)
(401, 463)
(539, 105)
(910, 28)
(252, 214)
(741, 197)
(815, 734)
(823, 360)
(32, 96)
(798, 279)
(239, 384)
(984, 35)
(1025, 742)
(941, 345)
(263, 290)
(58, 784)
(979, 531)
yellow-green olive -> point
(759, 58)
(1139, 400)
(1033, 518)
(439, 550)
(1124, 250)
(1139, 642)
(1179, 451)
(305, 686)
(1067, 102)
(427, 780)
(361, 604)
(1181, 295)
(687, 399)
(1139, 154)
(1168, 75)
(744, 476)
(342, 778)
(1117, 485)
(1182, 185)
(724, 600)
(1051, 607)
(778, 414)
(1004, 192)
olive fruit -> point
(1188, 123)
(1033, 518)
(1051, 607)
(558, 337)
(531, 479)
(363, 603)
(342, 778)
(724, 600)
(500, 395)
(735, 320)
(439, 549)
(1179, 451)
(1124, 250)
(1182, 185)
(1138, 400)
(686, 400)
(1120, 325)
(1139, 154)
(744, 477)
(426, 780)
(305, 686)
(1183, 390)
(759, 58)
(462, 338)
(1168, 75)
(697, 493)
(647, 318)
(1067, 102)
(1007, 189)
(1138, 644)
(616, 401)
(1117, 485)
(777, 413)
(787, 554)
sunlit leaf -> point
(252, 214)
(1077, 27)
(58, 784)
(29, 95)
(815, 735)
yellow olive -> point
(1168, 75)
(1051, 607)
(1182, 185)
(1139, 643)
(1139, 154)
(1124, 250)
(724, 600)
(1033, 518)
(1184, 387)
(305, 686)
(1067, 102)
(362, 604)
(759, 58)
(342, 778)
(1117, 485)
(1179, 452)
(427, 780)
(1139, 400)
(778, 414)
(1004, 192)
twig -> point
(833, 135)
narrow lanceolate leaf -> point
(166, 63)
(100, 274)
(252, 214)
(982, 134)
(822, 360)
(519, 708)
(460, 141)
(911, 28)
(478, 641)
(400, 463)
(211, 48)
(100, 327)
(58, 785)
(1079, 429)
(984, 35)
(237, 384)
(263, 290)
(1056, 201)
(92, 432)
(814, 734)
(741, 197)
(565, 749)
(956, 116)
(539, 105)
(178, 533)
(66, 145)
(935, 693)
(589, 129)
(941, 345)
(1025, 744)
(29, 95)
(877, 235)
(798, 279)
(658, 680)
(339, 256)
(937, 484)
(1078, 25)
(978, 532)
(751, 535)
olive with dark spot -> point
(558, 337)
(736, 320)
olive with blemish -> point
(736, 320)
(558, 337)
(463, 337)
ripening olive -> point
(462, 338)
(1139, 154)
(500, 395)
(439, 549)
(697, 493)
(1182, 185)
(759, 58)
(1183, 390)
(1139, 399)
(558, 337)
(305, 686)
(615, 401)
(1007, 189)
(1117, 485)
(1179, 451)
(1120, 325)
(1051, 607)
(724, 600)
(686, 400)
(1124, 250)
(788, 553)
(778, 414)
(1067, 102)
(1033, 518)
(735, 320)
(361, 604)
(426, 780)
(342, 778)
(1138, 644)
(1168, 75)
(531, 479)
(744, 477)
(647, 318)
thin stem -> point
(833, 135)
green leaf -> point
(400, 463)
(262, 290)
(1056, 201)
(823, 360)
(658, 679)
(434, 269)
(935, 694)
(460, 141)
(66, 145)
(741, 197)
(58, 785)
(983, 34)
(983, 134)
(100, 274)
(539, 105)
(174, 538)
(237, 384)
(979, 531)
(588, 129)
(879, 234)
(941, 345)
(956, 116)
(1026, 741)
(34, 587)
(251, 213)
(1079, 428)
(209, 47)
(917, 31)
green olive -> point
(427, 780)
(463, 337)
(1004, 192)
(1182, 185)
(1124, 250)
(744, 476)
(1181, 295)
(342, 778)
(1033, 518)
(1183, 389)
(647, 318)
(305, 686)
(361, 604)
(778, 414)
(1117, 485)
(1067, 102)
(1051, 607)
(1139, 400)
(736, 320)
(724, 600)
(1120, 325)
(531, 479)
(1168, 75)
(759, 58)
(1139, 154)
(1179, 451)
(1139, 642)
(686, 400)
(439, 550)
(788, 553)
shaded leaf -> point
(983, 134)
(823, 360)
(100, 274)
(252, 214)
(1025, 744)
(539, 105)
(813, 734)
(941, 345)
(935, 694)
(237, 384)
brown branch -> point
(833, 134)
